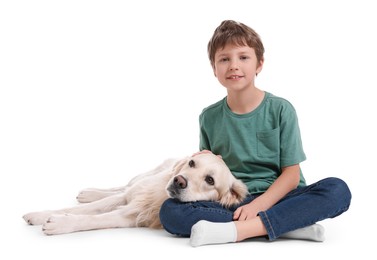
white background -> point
(94, 92)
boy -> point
(258, 137)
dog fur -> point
(201, 177)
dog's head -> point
(205, 177)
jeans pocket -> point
(268, 143)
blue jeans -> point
(301, 207)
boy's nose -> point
(233, 65)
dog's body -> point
(202, 177)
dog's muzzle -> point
(178, 184)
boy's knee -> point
(340, 187)
(339, 190)
(165, 212)
(171, 217)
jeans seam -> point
(270, 228)
(215, 210)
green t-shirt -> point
(256, 145)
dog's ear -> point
(235, 195)
(178, 166)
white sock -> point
(314, 232)
(205, 232)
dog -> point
(194, 178)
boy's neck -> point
(243, 102)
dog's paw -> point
(60, 224)
(37, 218)
(90, 195)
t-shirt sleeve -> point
(291, 149)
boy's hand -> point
(200, 152)
(245, 212)
(205, 151)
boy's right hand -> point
(205, 151)
(200, 152)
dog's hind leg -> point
(97, 207)
(93, 194)
(68, 223)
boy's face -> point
(236, 67)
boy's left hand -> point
(245, 212)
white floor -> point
(26, 241)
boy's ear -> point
(260, 66)
(214, 70)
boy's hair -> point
(234, 33)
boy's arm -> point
(287, 181)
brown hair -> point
(234, 33)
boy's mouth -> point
(234, 77)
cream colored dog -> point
(201, 177)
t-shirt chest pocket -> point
(268, 143)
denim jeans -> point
(301, 207)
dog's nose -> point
(180, 182)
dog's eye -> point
(191, 163)
(210, 180)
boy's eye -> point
(224, 59)
(244, 57)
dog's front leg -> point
(38, 218)
(97, 207)
(68, 223)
